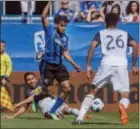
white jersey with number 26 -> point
(114, 44)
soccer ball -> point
(97, 105)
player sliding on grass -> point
(51, 66)
(37, 92)
(114, 43)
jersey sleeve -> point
(49, 30)
(66, 45)
(28, 93)
(97, 37)
(8, 65)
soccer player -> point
(113, 68)
(51, 66)
(36, 92)
(5, 64)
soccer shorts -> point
(49, 72)
(46, 104)
(115, 75)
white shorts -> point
(46, 104)
(116, 75)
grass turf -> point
(100, 120)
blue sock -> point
(58, 103)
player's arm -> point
(69, 58)
(88, 19)
(102, 12)
(21, 110)
(26, 101)
(133, 44)
(91, 52)
(45, 21)
(93, 45)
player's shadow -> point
(100, 123)
(31, 118)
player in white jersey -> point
(113, 68)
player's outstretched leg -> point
(86, 104)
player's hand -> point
(7, 117)
(78, 68)
(16, 106)
(89, 72)
(135, 70)
(3, 81)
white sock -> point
(73, 111)
(125, 102)
(86, 104)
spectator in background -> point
(132, 12)
(94, 16)
(87, 7)
(124, 4)
(107, 6)
(5, 65)
(65, 11)
(27, 9)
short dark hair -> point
(58, 19)
(111, 19)
(2, 41)
(27, 74)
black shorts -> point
(49, 72)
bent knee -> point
(66, 88)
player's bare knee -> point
(66, 88)
(94, 90)
(49, 90)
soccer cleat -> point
(123, 114)
(77, 122)
(53, 116)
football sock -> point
(58, 103)
(125, 102)
(73, 111)
(86, 104)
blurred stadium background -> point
(24, 38)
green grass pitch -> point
(100, 120)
